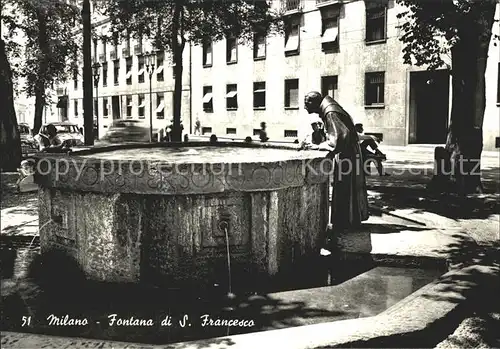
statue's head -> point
(312, 101)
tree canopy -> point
(432, 28)
(46, 28)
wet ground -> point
(63, 304)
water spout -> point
(223, 225)
(39, 230)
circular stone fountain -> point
(168, 214)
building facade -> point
(127, 87)
(347, 49)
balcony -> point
(138, 50)
(125, 52)
(292, 6)
(113, 55)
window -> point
(94, 53)
(208, 106)
(207, 54)
(374, 88)
(114, 53)
(105, 107)
(138, 46)
(231, 97)
(330, 28)
(259, 46)
(116, 71)
(290, 133)
(256, 131)
(141, 106)
(205, 130)
(329, 86)
(96, 107)
(292, 37)
(104, 50)
(498, 84)
(230, 131)
(75, 107)
(376, 12)
(160, 106)
(75, 79)
(129, 106)
(259, 95)
(231, 50)
(127, 42)
(292, 93)
(128, 70)
(140, 73)
(160, 61)
(105, 74)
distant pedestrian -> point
(263, 133)
(370, 150)
(317, 135)
(197, 127)
(49, 139)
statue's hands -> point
(308, 146)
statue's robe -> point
(350, 200)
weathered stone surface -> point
(132, 225)
(355, 241)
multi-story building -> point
(347, 49)
(123, 90)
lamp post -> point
(150, 67)
(88, 115)
(96, 68)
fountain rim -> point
(86, 152)
(151, 176)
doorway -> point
(115, 107)
(429, 107)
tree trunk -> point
(88, 105)
(465, 138)
(10, 143)
(40, 83)
(178, 43)
(39, 106)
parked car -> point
(29, 145)
(68, 132)
(122, 131)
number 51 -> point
(26, 321)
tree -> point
(461, 29)
(47, 27)
(171, 24)
(10, 143)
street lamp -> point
(150, 67)
(96, 68)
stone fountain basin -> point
(158, 213)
